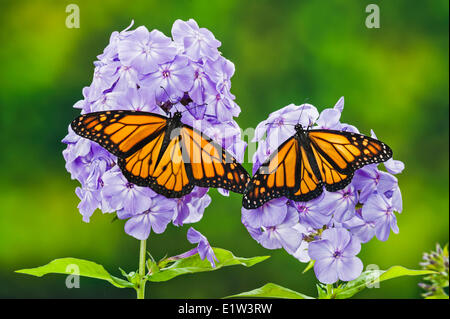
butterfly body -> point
(162, 152)
(309, 161)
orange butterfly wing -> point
(210, 164)
(121, 132)
(171, 161)
(190, 159)
(348, 151)
(288, 172)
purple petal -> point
(325, 270)
(320, 249)
(270, 214)
(349, 268)
(138, 226)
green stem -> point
(141, 288)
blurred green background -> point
(394, 79)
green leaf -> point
(309, 266)
(86, 268)
(194, 264)
(322, 291)
(438, 296)
(271, 290)
(370, 278)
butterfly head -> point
(177, 116)
(299, 128)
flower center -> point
(337, 254)
(302, 209)
(166, 73)
(129, 185)
(377, 178)
(199, 36)
(146, 50)
(279, 122)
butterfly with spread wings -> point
(309, 160)
(161, 152)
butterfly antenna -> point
(301, 112)
(191, 108)
(284, 123)
(168, 96)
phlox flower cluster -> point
(145, 70)
(331, 228)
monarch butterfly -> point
(309, 160)
(161, 152)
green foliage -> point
(271, 290)
(309, 266)
(194, 264)
(436, 261)
(167, 269)
(86, 269)
(369, 278)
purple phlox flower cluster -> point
(330, 228)
(143, 70)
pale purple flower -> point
(335, 256)
(287, 234)
(145, 50)
(171, 79)
(270, 214)
(220, 72)
(84, 104)
(341, 204)
(107, 101)
(311, 213)
(89, 201)
(370, 179)
(110, 52)
(197, 42)
(127, 77)
(280, 123)
(222, 105)
(137, 100)
(329, 118)
(394, 166)
(380, 210)
(190, 207)
(123, 195)
(204, 248)
(156, 217)
(302, 252)
(104, 78)
(362, 229)
(202, 85)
